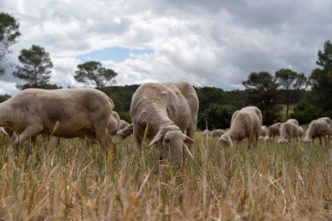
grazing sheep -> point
(113, 123)
(246, 123)
(287, 131)
(123, 133)
(62, 113)
(217, 132)
(123, 124)
(213, 133)
(301, 131)
(165, 114)
(263, 132)
(207, 133)
(294, 121)
(327, 120)
(272, 131)
(320, 128)
(250, 108)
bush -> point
(305, 113)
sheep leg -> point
(191, 133)
(28, 132)
(137, 144)
(326, 140)
(101, 135)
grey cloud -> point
(212, 42)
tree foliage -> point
(36, 68)
(4, 97)
(216, 116)
(321, 79)
(288, 80)
(9, 32)
(261, 91)
(93, 72)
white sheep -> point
(287, 131)
(320, 128)
(62, 113)
(263, 132)
(272, 131)
(245, 123)
(165, 114)
(213, 133)
(301, 131)
(294, 121)
(254, 109)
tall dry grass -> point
(75, 182)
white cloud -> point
(205, 42)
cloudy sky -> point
(208, 43)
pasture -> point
(75, 182)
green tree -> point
(321, 79)
(289, 80)
(35, 69)
(92, 72)
(216, 116)
(9, 32)
(261, 91)
(4, 97)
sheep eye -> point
(167, 140)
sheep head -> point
(225, 141)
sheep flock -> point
(164, 114)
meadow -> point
(76, 182)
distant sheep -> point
(320, 128)
(272, 131)
(301, 131)
(123, 124)
(245, 123)
(252, 109)
(213, 133)
(263, 132)
(287, 131)
(294, 121)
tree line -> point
(281, 95)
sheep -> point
(254, 109)
(213, 133)
(287, 131)
(294, 121)
(301, 131)
(62, 113)
(217, 132)
(207, 133)
(327, 120)
(245, 123)
(123, 124)
(123, 133)
(320, 128)
(272, 131)
(165, 114)
(113, 123)
(263, 132)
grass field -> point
(75, 182)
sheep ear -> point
(157, 137)
(188, 140)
